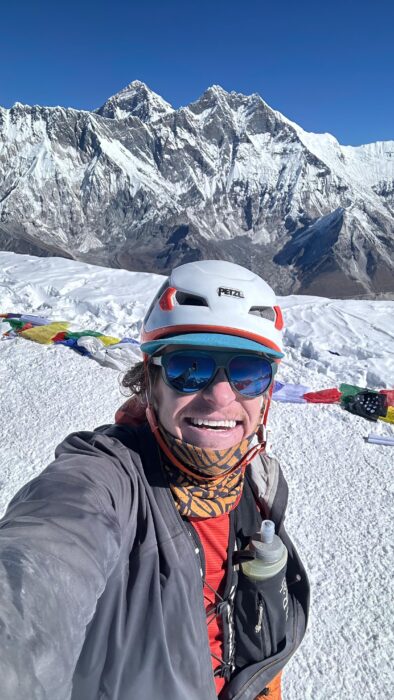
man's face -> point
(178, 413)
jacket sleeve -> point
(59, 542)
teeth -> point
(214, 423)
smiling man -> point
(121, 565)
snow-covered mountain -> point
(139, 185)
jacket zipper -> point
(188, 528)
(198, 548)
(193, 536)
(260, 613)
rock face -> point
(139, 185)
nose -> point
(219, 392)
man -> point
(121, 564)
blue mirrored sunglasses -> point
(189, 371)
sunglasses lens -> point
(250, 376)
(189, 372)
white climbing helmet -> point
(214, 303)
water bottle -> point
(262, 597)
(269, 551)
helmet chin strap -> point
(262, 428)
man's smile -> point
(208, 424)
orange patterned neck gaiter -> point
(213, 481)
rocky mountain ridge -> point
(140, 185)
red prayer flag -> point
(323, 396)
(390, 395)
(59, 336)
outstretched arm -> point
(59, 542)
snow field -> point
(341, 488)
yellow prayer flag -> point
(108, 340)
(390, 415)
(44, 334)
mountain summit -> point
(136, 100)
(140, 185)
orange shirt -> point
(214, 535)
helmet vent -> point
(263, 312)
(185, 299)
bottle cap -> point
(267, 531)
(267, 546)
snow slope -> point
(341, 488)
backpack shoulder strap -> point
(269, 486)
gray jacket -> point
(100, 583)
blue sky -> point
(327, 65)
